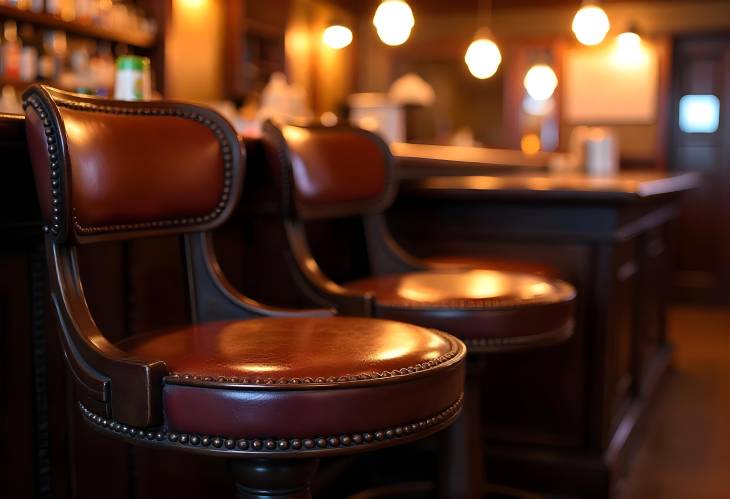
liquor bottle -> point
(11, 51)
(36, 5)
(45, 59)
(53, 7)
(102, 69)
(29, 54)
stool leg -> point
(462, 464)
(273, 478)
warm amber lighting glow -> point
(629, 49)
(394, 21)
(192, 4)
(628, 41)
(530, 143)
(540, 288)
(295, 134)
(260, 368)
(475, 284)
(590, 24)
(368, 123)
(540, 82)
(337, 37)
(483, 57)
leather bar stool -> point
(339, 172)
(269, 389)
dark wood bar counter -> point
(541, 186)
(565, 420)
(418, 160)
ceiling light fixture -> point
(394, 21)
(483, 56)
(590, 23)
(337, 36)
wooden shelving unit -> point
(21, 85)
(139, 39)
(135, 42)
(255, 50)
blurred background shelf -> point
(135, 39)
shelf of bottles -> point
(71, 44)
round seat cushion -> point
(302, 381)
(486, 308)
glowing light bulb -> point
(540, 82)
(629, 41)
(394, 21)
(337, 37)
(590, 24)
(483, 57)
(629, 51)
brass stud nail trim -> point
(225, 444)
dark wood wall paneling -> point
(46, 449)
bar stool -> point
(329, 173)
(270, 390)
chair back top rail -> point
(111, 170)
(329, 172)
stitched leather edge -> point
(457, 347)
(268, 446)
(512, 343)
(56, 226)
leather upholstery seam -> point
(474, 304)
(555, 335)
(179, 378)
(222, 444)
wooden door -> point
(700, 142)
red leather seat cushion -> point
(488, 307)
(302, 377)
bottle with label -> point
(11, 51)
(53, 7)
(51, 61)
(45, 60)
(134, 80)
(36, 5)
(102, 69)
(29, 53)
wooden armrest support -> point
(127, 389)
(387, 257)
(214, 298)
(314, 284)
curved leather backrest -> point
(328, 172)
(107, 169)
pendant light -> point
(590, 23)
(540, 82)
(483, 56)
(394, 21)
(629, 50)
(337, 36)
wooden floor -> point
(686, 453)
